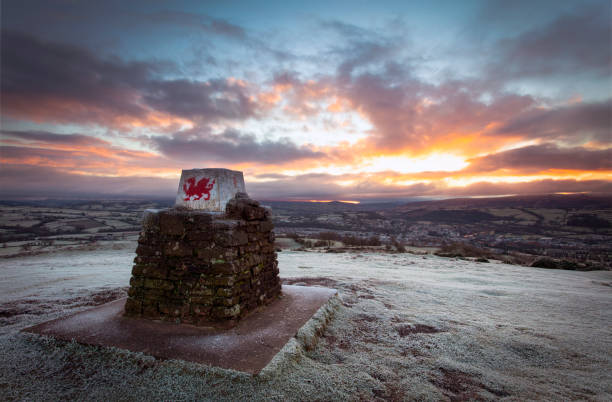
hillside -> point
(408, 327)
(546, 201)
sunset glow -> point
(375, 103)
(345, 201)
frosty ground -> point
(408, 327)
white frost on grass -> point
(51, 275)
(42, 287)
(409, 327)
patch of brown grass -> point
(458, 249)
(405, 330)
(460, 386)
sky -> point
(318, 100)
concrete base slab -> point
(247, 347)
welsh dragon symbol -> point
(197, 190)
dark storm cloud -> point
(573, 122)
(542, 157)
(53, 138)
(33, 70)
(208, 100)
(574, 43)
(231, 147)
(57, 82)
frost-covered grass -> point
(408, 327)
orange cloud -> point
(57, 110)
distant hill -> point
(548, 201)
(328, 207)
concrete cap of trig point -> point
(208, 189)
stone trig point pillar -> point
(209, 259)
(208, 189)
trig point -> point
(208, 189)
(209, 259)
(208, 262)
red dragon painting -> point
(198, 190)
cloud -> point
(205, 101)
(76, 152)
(323, 187)
(32, 181)
(543, 157)
(368, 77)
(48, 138)
(411, 116)
(573, 43)
(29, 181)
(50, 82)
(231, 146)
(35, 74)
(199, 21)
(578, 122)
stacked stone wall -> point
(196, 267)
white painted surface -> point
(208, 189)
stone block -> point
(200, 236)
(133, 307)
(207, 291)
(147, 260)
(200, 311)
(202, 221)
(225, 280)
(158, 284)
(171, 224)
(136, 292)
(177, 248)
(136, 281)
(203, 300)
(173, 309)
(266, 226)
(225, 292)
(154, 271)
(152, 294)
(222, 267)
(226, 301)
(148, 250)
(149, 310)
(226, 312)
(150, 220)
